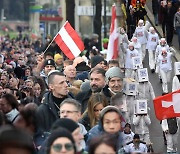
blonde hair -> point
(95, 99)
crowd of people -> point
(50, 104)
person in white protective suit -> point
(141, 33)
(123, 39)
(164, 61)
(171, 129)
(152, 42)
(130, 53)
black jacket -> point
(47, 112)
(155, 6)
(83, 98)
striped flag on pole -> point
(112, 52)
(69, 41)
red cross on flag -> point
(69, 41)
(167, 106)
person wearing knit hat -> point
(59, 61)
(131, 53)
(73, 127)
(69, 124)
(114, 81)
(49, 65)
(61, 141)
(109, 122)
(97, 61)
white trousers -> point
(165, 76)
(143, 47)
(151, 59)
(172, 141)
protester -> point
(70, 73)
(135, 146)
(103, 144)
(70, 108)
(16, 141)
(97, 83)
(168, 11)
(48, 110)
(171, 129)
(9, 106)
(110, 122)
(96, 103)
(177, 24)
(61, 141)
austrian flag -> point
(69, 41)
(167, 106)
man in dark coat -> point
(168, 20)
(48, 111)
(155, 8)
(97, 83)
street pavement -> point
(156, 133)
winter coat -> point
(86, 121)
(83, 98)
(98, 130)
(177, 20)
(169, 15)
(47, 112)
(155, 6)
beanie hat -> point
(57, 56)
(59, 132)
(65, 123)
(50, 62)
(82, 76)
(14, 137)
(96, 60)
(107, 109)
(85, 86)
(114, 72)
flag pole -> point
(49, 45)
(52, 41)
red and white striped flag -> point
(69, 41)
(112, 52)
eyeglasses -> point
(67, 112)
(58, 147)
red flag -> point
(69, 41)
(113, 38)
(167, 106)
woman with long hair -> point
(95, 104)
